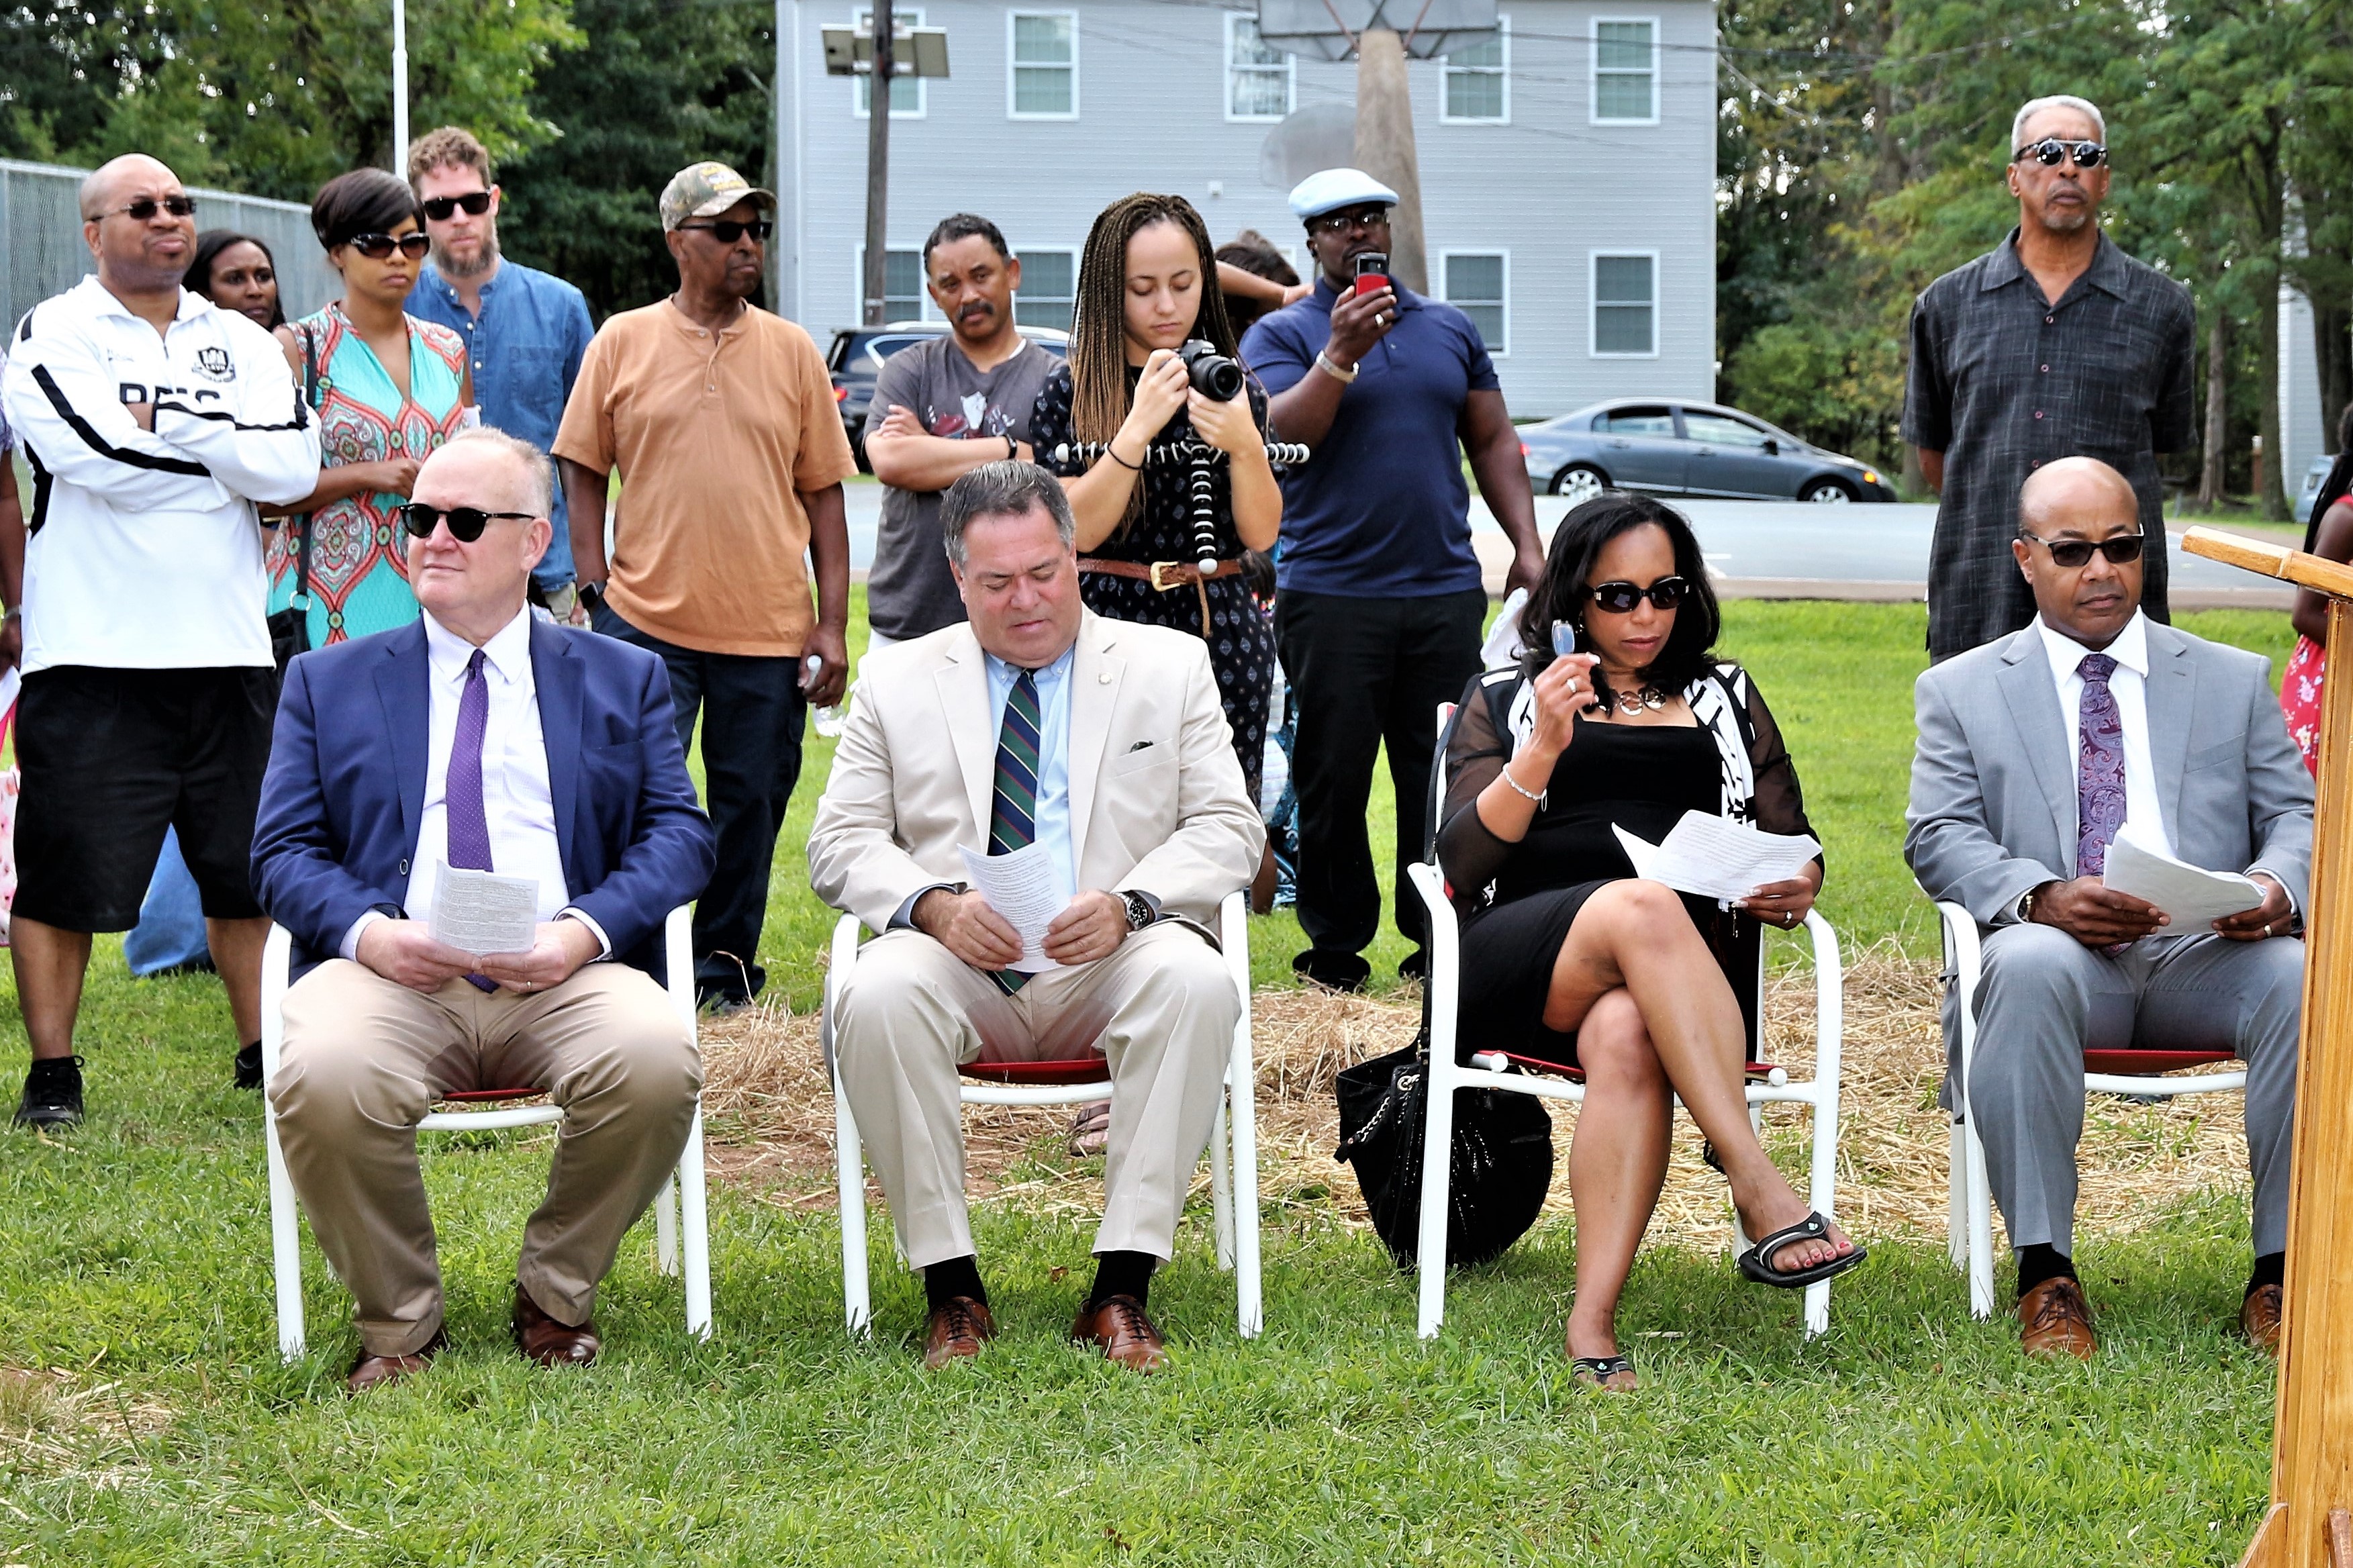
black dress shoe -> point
(1334, 970)
(52, 1093)
(249, 1068)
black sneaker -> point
(52, 1093)
(249, 1068)
(1335, 970)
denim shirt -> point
(525, 353)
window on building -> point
(1479, 80)
(1626, 305)
(906, 91)
(1048, 289)
(1474, 282)
(1045, 65)
(904, 298)
(1626, 72)
(1258, 79)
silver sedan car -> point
(1674, 447)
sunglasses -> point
(2049, 150)
(727, 231)
(379, 247)
(442, 209)
(2074, 552)
(1341, 222)
(143, 209)
(1620, 598)
(466, 523)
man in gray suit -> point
(2034, 749)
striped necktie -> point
(1013, 806)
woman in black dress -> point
(1147, 285)
(1566, 957)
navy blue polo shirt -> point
(1381, 512)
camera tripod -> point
(1201, 461)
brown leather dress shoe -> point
(2054, 1319)
(2259, 1317)
(544, 1340)
(381, 1370)
(1118, 1324)
(957, 1328)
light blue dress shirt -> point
(526, 351)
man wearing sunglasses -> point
(2054, 343)
(2035, 752)
(154, 422)
(719, 419)
(526, 330)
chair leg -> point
(694, 1228)
(1956, 1201)
(1980, 1201)
(850, 1187)
(666, 1227)
(1822, 1192)
(1242, 1093)
(1437, 1177)
(285, 1243)
(1221, 1189)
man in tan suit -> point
(1103, 743)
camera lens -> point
(1214, 375)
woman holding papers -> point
(1568, 959)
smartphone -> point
(1372, 272)
(1564, 640)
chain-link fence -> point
(42, 251)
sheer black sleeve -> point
(1469, 853)
(1780, 803)
(1049, 422)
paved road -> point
(1775, 550)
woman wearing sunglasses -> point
(1568, 959)
(388, 389)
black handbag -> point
(289, 628)
(1502, 1157)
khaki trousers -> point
(1161, 1009)
(364, 1059)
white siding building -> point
(1568, 167)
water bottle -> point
(828, 719)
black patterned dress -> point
(1241, 640)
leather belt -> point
(1166, 575)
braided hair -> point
(1098, 348)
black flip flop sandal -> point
(1596, 1371)
(1813, 1227)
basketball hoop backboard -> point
(1327, 30)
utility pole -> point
(879, 89)
(400, 88)
(1384, 148)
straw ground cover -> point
(144, 1418)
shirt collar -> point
(2130, 649)
(191, 303)
(508, 651)
(2106, 273)
(1007, 674)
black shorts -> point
(110, 758)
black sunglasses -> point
(1341, 222)
(2074, 552)
(378, 246)
(1620, 598)
(440, 209)
(2049, 150)
(727, 231)
(143, 209)
(466, 523)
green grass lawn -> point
(162, 1430)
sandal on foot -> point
(1090, 1132)
(1596, 1371)
(1813, 1227)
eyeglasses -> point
(2049, 150)
(466, 523)
(143, 209)
(442, 209)
(1341, 222)
(2074, 552)
(727, 231)
(380, 246)
(1620, 598)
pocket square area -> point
(1139, 745)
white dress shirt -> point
(517, 801)
(2128, 683)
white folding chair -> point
(1969, 1221)
(1233, 1164)
(681, 1225)
(1766, 1084)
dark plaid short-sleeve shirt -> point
(2003, 382)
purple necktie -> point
(2099, 767)
(469, 822)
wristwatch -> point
(1324, 363)
(1012, 448)
(1141, 910)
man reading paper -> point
(477, 743)
(1035, 728)
(2034, 752)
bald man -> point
(153, 423)
(2034, 751)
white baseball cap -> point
(1329, 190)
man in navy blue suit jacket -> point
(480, 739)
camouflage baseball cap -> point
(705, 190)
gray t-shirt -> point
(909, 592)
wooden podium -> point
(2309, 1525)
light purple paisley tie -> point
(469, 822)
(2099, 767)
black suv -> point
(856, 356)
